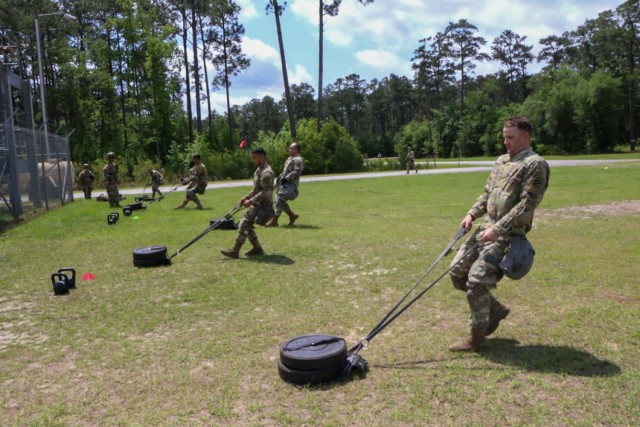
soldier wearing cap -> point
(156, 181)
(111, 180)
(256, 202)
(513, 190)
(85, 179)
(411, 159)
(197, 183)
(288, 182)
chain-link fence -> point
(35, 170)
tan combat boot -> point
(257, 249)
(497, 312)
(273, 222)
(292, 217)
(475, 342)
(233, 252)
(182, 205)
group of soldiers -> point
(506, 206)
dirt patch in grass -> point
(629, 207)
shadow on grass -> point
(301, 227)
(272, 259)
(548, 358)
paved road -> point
(443, 167)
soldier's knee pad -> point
(459, 283)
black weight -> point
(314, 351)
(156, 262)
(127, 210)
(144, 199)
(71, 279)
(150, 252)
(112, 218)
(314, 376)
(136, 206)
(223, 224)
(59, 282)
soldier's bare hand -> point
(467, 222)
(490, 235)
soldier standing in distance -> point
(112, 179)
(156, 181)
(410, 158)
(514, 189)
(197, 183)
(85, 178)
(262, 194)
(288, 180)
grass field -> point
(196, 343)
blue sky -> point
(379, 39)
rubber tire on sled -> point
(150, 256)
(315, 376)
(298, 353)
(150, 252)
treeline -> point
(115, 76)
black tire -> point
(315, 376)
(314, 351)
(151, 262)
(150, 252)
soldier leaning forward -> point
(156, 181)
(197, 183)
(259, 206)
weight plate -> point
(314, 351)
(315, 376)
(150, 252)
(151, 262)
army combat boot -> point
(199, 206)
(257, 249)
(292, 217)
(475, 342)
(497, 312)
(182, 205)
(233, 252)
(273, 222)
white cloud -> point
(384, 61)
(248, 10)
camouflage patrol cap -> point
(519, 259)
(86, 166)
(111, 155)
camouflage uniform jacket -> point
(198, 177)
(111, 175)
(513, 190)
(262, 186)
(293, 168)
(410, 156)
(156, 177)
(86, 177)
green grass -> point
(196, 343)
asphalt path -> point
(441, 167)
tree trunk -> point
(196, 67)
(283, 61)
(226, 80)
(320, 60)
(206, 74)
(186, 73)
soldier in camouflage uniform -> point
(111, 180)
(259, 198)
(410, 158)
(514, 189)
(288, 180)
(197, 181)
(156, 181)
(85, 179)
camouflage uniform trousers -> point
(87, 189)
(113, 194)
(192, 193)
(478, 273)
(285, 192)
(246, 226)
(155, 188)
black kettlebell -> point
(112, 218)
(71, 280)
(59, 281)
